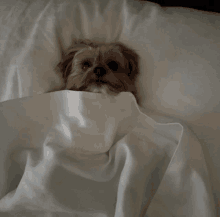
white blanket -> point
(84, 154)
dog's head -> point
(108, 68)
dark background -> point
(205, 5)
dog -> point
(107, 68)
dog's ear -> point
(133, 60)
(65, 66)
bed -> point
(167, 164)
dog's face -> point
(100, 68)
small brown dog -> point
(108, 68)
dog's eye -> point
(113, 65)
(86, 64)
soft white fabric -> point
(179, 50)
(94, 155)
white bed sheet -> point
(86, 154)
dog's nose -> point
(100, 71)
